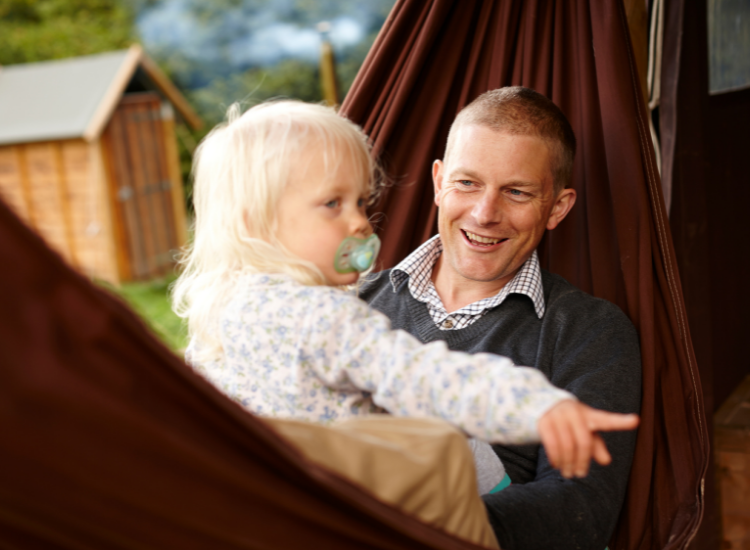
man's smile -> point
(488, 232)
(480, 241)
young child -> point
(277, 191)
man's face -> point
(496, 197)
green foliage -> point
(150, 300)
(38, 30)
(290, 78)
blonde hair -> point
(240, 171)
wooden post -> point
(175, 174)
(328, 83)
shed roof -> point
(74, 98)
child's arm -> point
(486, 395)
(568, 432)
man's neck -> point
(456, 292)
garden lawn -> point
(150, 300)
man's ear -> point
(563, 203)
(437, 179)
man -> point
(478, 286)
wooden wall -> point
(708, 218)
(145, 184)
(114, 207)
(58, 188)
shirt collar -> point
(417, 267)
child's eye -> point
(333, 204)
(360, 203)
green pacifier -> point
(356, 254)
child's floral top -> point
(321, 354)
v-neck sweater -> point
(583, 344)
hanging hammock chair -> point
(109, 441)
(434, 57)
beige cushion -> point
(422, 466)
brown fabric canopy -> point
(435, 56)
(107, 440)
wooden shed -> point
(88, 158)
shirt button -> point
(447, 323)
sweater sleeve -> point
(596, 357)
(353, 346)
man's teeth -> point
(482, 240)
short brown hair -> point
(516, 110)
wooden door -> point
(141, 187)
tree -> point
(38, 30)
(291, 78)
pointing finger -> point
(601, 454)
(605, 421)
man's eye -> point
(516, 192)
(466, 183)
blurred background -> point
(215, 53)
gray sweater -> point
(583, 344)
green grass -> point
(150, 300)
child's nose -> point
(361, 225)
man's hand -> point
(568, 433)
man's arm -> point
(594, 355)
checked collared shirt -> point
(417, 267)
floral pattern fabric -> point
(322, 354)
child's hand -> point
(568, 433)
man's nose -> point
(487, 210)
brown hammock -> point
(107, 440)
(434, 57)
